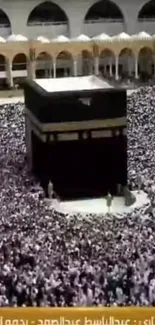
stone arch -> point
(44, 65)
(64, 64)
(47, 13)
(107, 63)
(104, 9)
(146, 63)
(4, 19)
(3, 61)
(86, 63)
(126, 63)
(147, 11)
(19, 62)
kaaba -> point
(76, 135)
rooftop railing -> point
(104, 20)
(47, 23)
(4, 25)
(147, 19)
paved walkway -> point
(11, 100)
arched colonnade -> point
(111, 62)
(107, 64)
(127, 63)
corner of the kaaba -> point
(81, 147)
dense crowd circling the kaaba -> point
(48, 259)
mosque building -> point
(114, 39)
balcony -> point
(147, 24)
(110, 26)
(48, 29)
(5, 30)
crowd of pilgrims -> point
(48, 259)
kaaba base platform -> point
(98, 206)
